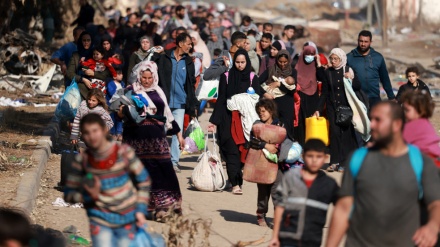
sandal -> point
(261, 220)
(236, 190)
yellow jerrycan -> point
(317, 128)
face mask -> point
(309, 58)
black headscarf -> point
(110, 52)
(239, 81)
(81, 50)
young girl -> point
(419, 107)
(98, 63)
(267, 111)
(95, 103)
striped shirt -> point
(125, 186)
(84, 110)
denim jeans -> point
(117, 124)
(103, 236)
(179, 115)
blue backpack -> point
(415, 157)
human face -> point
(241, 43)
(92, 102)
(181, 14)
(214, 37)
(410, 112)
(265, 115)
(106, 45)
(382, 125)
(335, 60)
(247, 45)
(119, 77)
(94, 135)
(186, 46)
(289, 33)
(158, 14)
(313, 161)
(265, 43)
(133, 20)
(412, 77)
(273, 52)
(97, 56)
(147, 79)
(364, 44)
(283, 62)
(86, 41)
(240, 62)
(145, 44)
(268, 29)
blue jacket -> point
(371, 70)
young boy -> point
(15, 228)
(112, 87)
(414, 83)
(302, 200)
(111, 182)
(265, 44)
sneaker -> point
(177, 169)
(261, 220)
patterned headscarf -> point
(138, 88)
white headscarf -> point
(139, 89)
(201, 48)
(343, 57)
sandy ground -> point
(233, 217)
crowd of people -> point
(138, 78)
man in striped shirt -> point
(111, 182)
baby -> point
(288, 82)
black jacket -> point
(408, 86)
(86, 15)
(305, 209)
(165, 66)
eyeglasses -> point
(334, 59)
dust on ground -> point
(19, 130)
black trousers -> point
(234, 167)
(265, 191)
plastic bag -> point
(69, 103)
(207, 90)
(294, 154)
(195, 133)
(190, 146)
(144, 239)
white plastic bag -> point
(208, 175)
(207, 90)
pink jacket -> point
(422, 134)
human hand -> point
(426, 236)
(347, 75)
(95, 190)
(159, 49)
(211, 128)
(274, 85)
(272, 148)
(316, 114)
(275, 242)
(74, 142)
(121, 111)
(63, 69)
(140, 219)
(318, 60)
(268, 96)
(88, 83)
(226, 61)
(90, 72)
(181, 140)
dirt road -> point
(233, 217)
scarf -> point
(343, 57)
(111, 52)
(218, 44)
(141, 53)
(307, 72)
(276, 71)
(139, 89)
(200, 46)
(239, 81)
(253, 56)
(86, 53)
